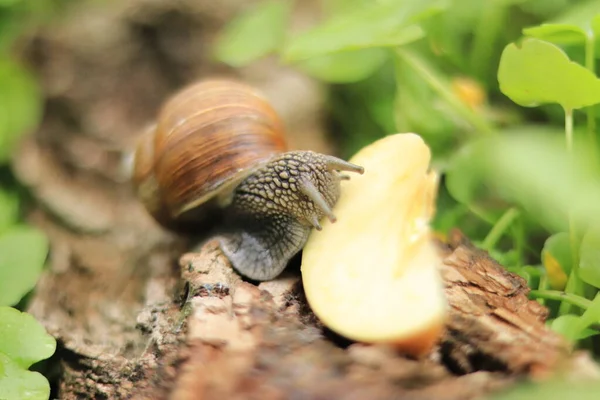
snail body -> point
(218, 148)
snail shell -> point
(208, 137)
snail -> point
(218, 149)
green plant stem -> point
(500, 228)
(543, 286)
(572, 299)
(569, 143)
(482, 214)
(423, 69)
(572, 231)
(574, 284)
(590, 63)
(569, 130)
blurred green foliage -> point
(23, 249)
(505, 92)
(20, 105)
(556, 390)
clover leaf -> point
(538, 72)
(580, 22)
(23, 342)
(557, 259)
(19, 383)
(23, 251)
(23, 339)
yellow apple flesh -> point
(373, 276)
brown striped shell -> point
(208, 137)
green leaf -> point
(406, 35)
(23, 342)
(24, 339)
(20, 105)
(9, 209)
(589, 261)
(448, 218)
(23, 251)
(557, 33)
(375, 24)
(19, 383)
(557, 259)
(344, 67)
(575, 327)
(566, 325)
(533, 169)
(332, 7)
(464, 181)
(596, 25)
(461, 19)
(574, 26)
(254, 34)
(538, 72)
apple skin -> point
(374, 275)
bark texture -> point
(135, 320)
(270, 345)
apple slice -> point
(373, 276)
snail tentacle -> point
(313, 193)
(314, 220)
(334, 163)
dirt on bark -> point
(136, 320)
